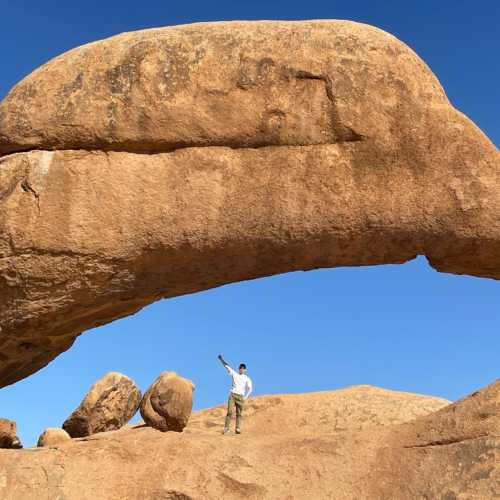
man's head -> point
(242, 368)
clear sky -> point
(399, 327)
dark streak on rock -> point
(446, 442)
(158, 148)
(27, 187)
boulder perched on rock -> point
(53, 436)
(218, 152)
(168, 402)
(110, 403)
(8, 437)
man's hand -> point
(220, 357)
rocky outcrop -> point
(8, 437)
(110, 403)
(52, 437)
(353, 443)
(172, 160)
(168, 402)
(452, 453)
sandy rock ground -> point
(352, 443)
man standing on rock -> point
(240, 390)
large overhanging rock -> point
(167, 161)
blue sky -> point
(400, 327)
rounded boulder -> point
(110, 403)
(53, 436)
(168, 402)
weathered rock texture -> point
(168, 402)
(110, 403)
(355, 443)
(52, 437)
(172, 160)
(453, 453)
(8, 437)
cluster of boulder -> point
(111, 402)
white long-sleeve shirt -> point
(241, 383)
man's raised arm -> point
(225, 363)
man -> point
(240, 390)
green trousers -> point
(238, 402)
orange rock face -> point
(353, 443)
(172, 160)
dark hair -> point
(243, 365)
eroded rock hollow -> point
(172, 160)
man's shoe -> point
(237, 431)
(225, 431)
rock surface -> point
(53, 436)
(353, 443)
(110, 403)
(453, 453)
(8, 437)
(168, 402)
(167, 161)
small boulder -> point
(168, 402)
(110, 403)
(8, 437)
(53, 436)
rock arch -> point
(166, 161)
